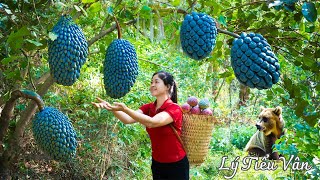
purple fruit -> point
(192, 101)
(195, 110)
(186, 108)
(207, 112)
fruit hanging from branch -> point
(120, 67)
(68, 51)
(198, 35)
(253, 61)
(52, 130)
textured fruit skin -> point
(192, 101)
(204, 103)
(198, 35)
(186, 108)
(120, 68)
(254, 63)
(68, 52)
(206, 111)
(54, 134)
(195, 110)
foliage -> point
(109, 149)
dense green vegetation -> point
(109, 149)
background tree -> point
(106, 148)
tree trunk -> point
(10, 154)
(243, 95)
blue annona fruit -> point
(198, 35)
(68, 52)
(254, 63)
(120, 68)
(54, 134)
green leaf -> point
(8, 60)
(77, 8)
(15, 39)
(95, 7)
(88, 1)
(317, 54)
(84, 11)
(176, 3)
(110, 10)
(53, 36)
(225, 74)
(309, 11)
(145, 11)
(222, 20)
(36, 43)
(216, 6)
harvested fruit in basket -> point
(193, 101)
(186, 108)
(206, 111)
(204, 103)
(194, 106)
(195, 110)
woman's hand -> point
(101, 104)
(108, 106)
(116, 107)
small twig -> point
(154, 63)
(215, 98)
(228, 33)
(29, 68)
(35, 11)
(139, 30)
(118, 27)
(109, 30)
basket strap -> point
(179, 138)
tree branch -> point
(27, 114)
(105, 32)
(7, 112)
(29, 68)
(228, 33)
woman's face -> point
(157, 86)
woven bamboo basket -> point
(196, 136)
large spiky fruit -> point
(120, 68)
(54, 134)
(198, 35)
(254, 63)
(68, 52)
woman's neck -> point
(161, 100)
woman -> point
(169, 160)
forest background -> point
(109, 150)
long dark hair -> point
(167, 78)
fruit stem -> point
(228, 33)
(7, 112)
(118, 27)
(33, 96)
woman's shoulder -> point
(174, 106)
